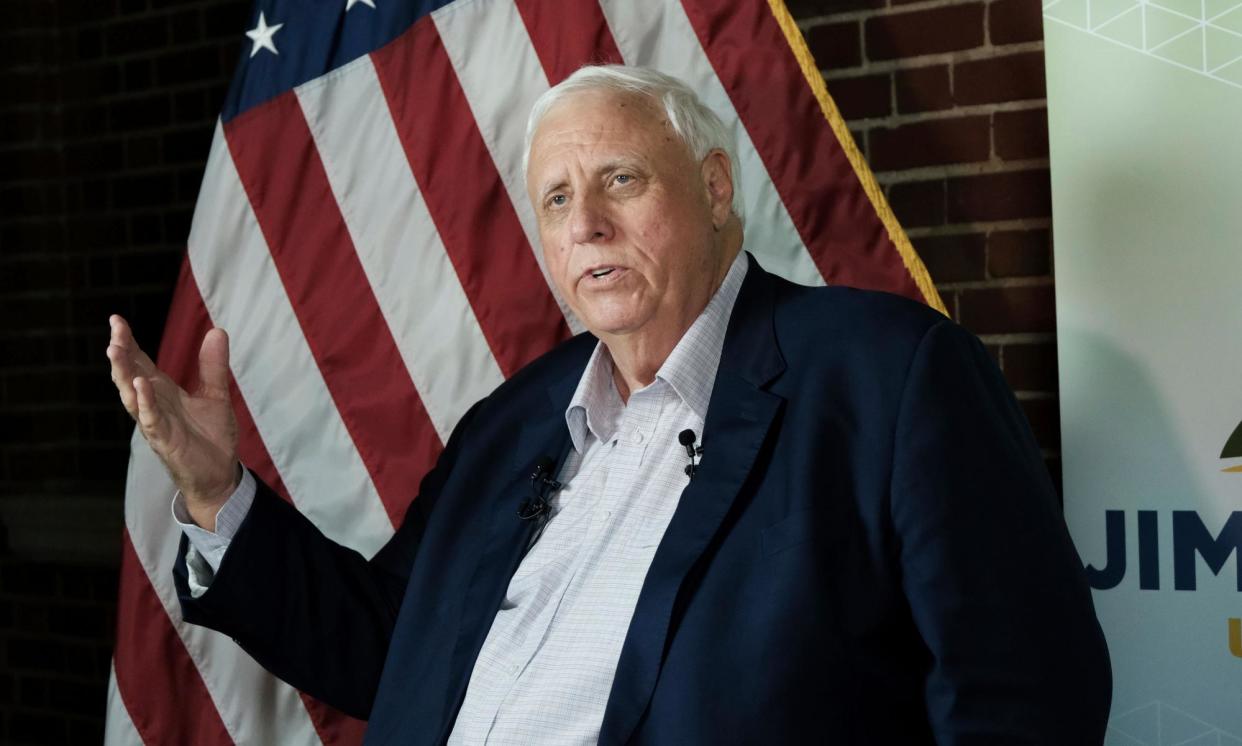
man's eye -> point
(623, 178)
(557, 200)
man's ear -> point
(717, 174)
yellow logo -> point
(1235, 637)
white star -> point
(351, 3)
(262, 36)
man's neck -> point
(636, 359)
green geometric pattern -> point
(1203, 36)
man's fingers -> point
(213, 364)
(122, 337)
(122, 376)
(150, 416)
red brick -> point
(136, 35)
(30, 162)
(28, 87)
(931, 31)
(138, 75)
(1019, 254)
(188, 65)
(134, 114)
(93, 82)
(44, 463)
(1004, 196)
(923, 89)
(226, 20)
(29, 15)
(1013, 77)
(1045, 418)
(931, 143)
(35, 274)
(1015, 21)
(30, 314)
(187, 26)
(147, 190)
(1021, 134)
(22, 50)
(803, 9)
(97, 157)
(1008, 310)
(918, 203)
(1031, 367)
(835, 45)
(141, 152)
(954, 258)
(864, 97)
(20, 127)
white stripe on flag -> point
(501, 77)
(254, 705)
(119, 728)
(659, 34)
(275, 370)
(414, 282)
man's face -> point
(626, 215)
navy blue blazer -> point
(871, 552)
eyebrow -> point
(631, 163)
(551, 187)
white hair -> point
(696, 124)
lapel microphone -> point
(542, 486)
(687, 438)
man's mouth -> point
(603, 272)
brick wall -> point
(57, 622)
(106, 112)
(947, 101)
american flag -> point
(363, 233)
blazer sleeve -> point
(315, 613)
(995, 586)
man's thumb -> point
(213, 363)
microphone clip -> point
(687, 438)
(542, 487)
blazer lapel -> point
(739, 418)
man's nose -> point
(590, 222)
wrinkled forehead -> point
(617, 114)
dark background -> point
(106, 114)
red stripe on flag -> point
(832, 213)
(466, 198)
(286, 183)
(568, 35)
(188, 320)
(155, 676)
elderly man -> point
(759, 513)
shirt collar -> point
(690, 369)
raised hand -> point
(194, 434)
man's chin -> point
(613, 326)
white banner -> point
(1145, 109)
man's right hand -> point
(194, 434)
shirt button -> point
(637, 437)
